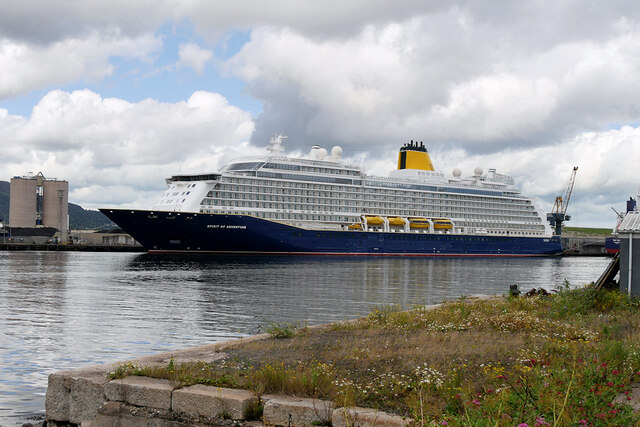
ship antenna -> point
(275, 144)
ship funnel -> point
(414, 155)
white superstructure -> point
(321, 192)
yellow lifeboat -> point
(374, 220)
(396, 221)
(418, 223)
(355, 226)
(442, 224)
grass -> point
(544, 360)
(584, 231)
(284, 330)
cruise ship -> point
(319, 205)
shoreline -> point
(524, 338)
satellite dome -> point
(336, 152)
(457, 173)
(477, 171)
(322, 153)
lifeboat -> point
(442, 224)
(355, 226)
(396, 221)
(418, 223)
(374, 220)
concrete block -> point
(213, 401)
(123, 415)
(140, 391)
(57, 398)
(86, 397)
(366, 417)
(296, 412)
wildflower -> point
(615, 372)
(541, 422)
(476, 402)
(583, 422)
(523, 425)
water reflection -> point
(62, 310)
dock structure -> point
(583, 246)
(607, 278)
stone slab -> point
(86, 397)
(213, 401)
(57, 398)
(141, 391)
(122, 415)
(296, 412)
(74, 396)
(366, 417)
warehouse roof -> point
(630, 223)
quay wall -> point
(584, 246)
(78, 248)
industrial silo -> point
(23, 202)
(55, 204)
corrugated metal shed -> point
(629, 232)
(630, 223)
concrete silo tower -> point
(36, 201)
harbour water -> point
(64, 310)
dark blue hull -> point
(612, 245)
(218, 233)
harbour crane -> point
(558, 213)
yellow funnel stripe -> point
(410, 159)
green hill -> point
(586, 231)
(84, 219)
(79, 218)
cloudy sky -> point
(114, 95)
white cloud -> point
(102, 145)
(24, 67)
(193, 56)
(46, 23)
(396, 81)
